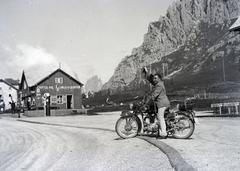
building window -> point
(59, 80)
(59, 99)
(53, 99)
(0, 88)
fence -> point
(229, 108)
(217, 95)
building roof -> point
(32, 77)
(58, 70)
(12, 81)
(236, 25)
(9, 84)
(23, 78)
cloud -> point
(34, 56)
(34, 60)
(38, 63)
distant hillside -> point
(93, 84)
(191, 46)
(197, 66)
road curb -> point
(174, 157)
(71, 126)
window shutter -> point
(64, 99)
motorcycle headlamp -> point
(131, 106)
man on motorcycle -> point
(158, 95)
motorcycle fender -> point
(127, 113)
(187, 114)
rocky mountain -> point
(190, 46)
(93, 84)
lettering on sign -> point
(66, 87)
(58, 87)
(45, 87)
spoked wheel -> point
(127, 127)
(184, 128)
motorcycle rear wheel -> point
(127, 127)
(184, 128)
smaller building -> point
(236, 25)
(8, 93)
(64, 90)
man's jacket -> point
(158, 93)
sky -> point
(83, 37)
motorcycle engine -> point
(151, 126)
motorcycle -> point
(142, 119)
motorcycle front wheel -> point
(127, 127)
(184, 128)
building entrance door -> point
(69, 101)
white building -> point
(235, 26)
(7, 89)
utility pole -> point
(165, 69)
(151, 73)
(223, 68)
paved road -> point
(215, 144)
(27, 146)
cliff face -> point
(192, 33)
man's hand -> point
(144, 107)
(144, 70)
